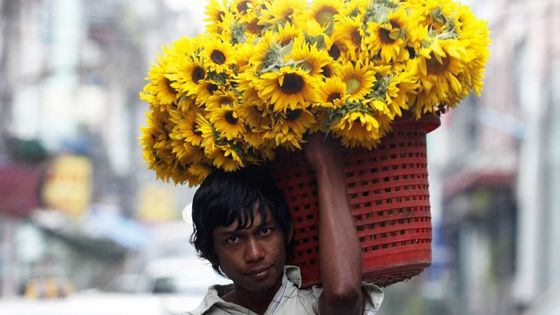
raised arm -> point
(339, 248)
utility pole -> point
(8, 23)
(8, 14)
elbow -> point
(343, 297)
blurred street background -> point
(83, 223)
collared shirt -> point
(290, 298)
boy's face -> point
(253, 257)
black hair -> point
(225, 197)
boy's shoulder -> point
(290, 298)
(211, 299)
(213, 304)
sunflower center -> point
(356, 37)
(197, 74)
(168, 86)
(352, 85)
(285, 41)
(411, 52)
(253, 27)
(243, 6)
(293, 84)
(325, 15)
(211, 88)
(226, 100)
(287, 14)
(435, 67)
(292, 115)
(220, 16)
(334, 52)
(326, 71)
(333, 97)
(230, 117)
(218, 57)
(385, 36)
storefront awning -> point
(467, 180)
(19, 189)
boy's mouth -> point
(258, 272)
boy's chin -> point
(262, 282)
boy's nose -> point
(253, 251)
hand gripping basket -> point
(388, 194)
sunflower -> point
(440, 65)
(208, 134)
(215, 12)
(329, 70)
(219, 55)
(288, 88)
(227, 158)
(325, 11)
(402, 88)
(308, 57)
(357, 129)
(256, 116)
(267, 55)
(159, 89)
(349, 36)
(250, 96)
(198, 172)
(332, 93)
(187, 75)
(252, 21)
(388, 39)
(278, 12)
(227, 121)
(297, 120)
(243, 7)
(182, 149)
(244, 53)
(256, 139)
(267, 72)
(232, 30)
(185, 46)
(359, 79)
(207, 89)
(186, 127)
(384, 90)
(477, 34)
(286, 139)
(156, 145)
(221, 98)
(286, 33)
(355, 8)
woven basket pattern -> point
(388, 194)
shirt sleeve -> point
(373, 297)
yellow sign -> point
(156, 204)
(68, 184)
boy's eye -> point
(232, 239)
(266, 230)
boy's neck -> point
(256, 301)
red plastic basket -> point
(388, 194)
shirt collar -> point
(212, 297)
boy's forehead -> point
(257, 221)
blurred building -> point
(70, 73)
(496, 162)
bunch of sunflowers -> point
(267, 72)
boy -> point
(242, 226)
